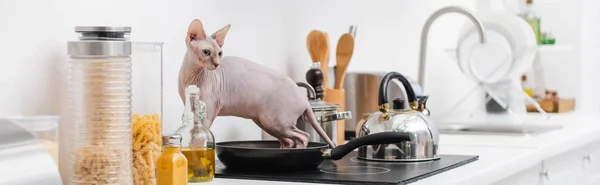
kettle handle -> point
(410, 93)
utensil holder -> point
(337, 96)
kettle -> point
(413, 120)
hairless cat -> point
(234, 86)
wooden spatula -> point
(325, 62)
(345, 48)
(312, 43)
(315, 45)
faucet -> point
(425, 32)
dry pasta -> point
(99, 165)
(146, 146)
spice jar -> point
(198, 141)
(172, 164)
(147, 110)
(100, 106)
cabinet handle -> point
(546, 174)
(588, 157)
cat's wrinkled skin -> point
(234, 86)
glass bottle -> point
(533, 20)
(100, 106)
(198, 141)
(171, 168)
(526, 86)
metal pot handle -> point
(312, 95)
(336, 116)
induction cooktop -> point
(351, 170)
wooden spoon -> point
(325, 61)
(345, 48)
(315, 45)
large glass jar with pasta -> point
(147, 110)
(100, 106)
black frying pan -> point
(264, 155)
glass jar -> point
(172, 165)
(198, 144)
(44, 128)
(100, 106)
(147, 91)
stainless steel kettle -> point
(412, 120)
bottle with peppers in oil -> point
(171, 167)
(198, 141)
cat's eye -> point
(220, 53)
(206, 52)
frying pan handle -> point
(374, 139)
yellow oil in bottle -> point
(529, 92)
(201, 163)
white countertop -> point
(499, 156)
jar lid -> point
(102, 29)
(320, 105)
(172, 140)
(101, 41)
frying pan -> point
(263, 155)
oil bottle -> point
(533, 20)
(198, 141)
(171, 167)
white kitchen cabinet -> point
(529, 176)
(591, 163)
(565, 168)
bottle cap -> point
(172, 140)
(192, 89)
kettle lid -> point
(398, 104)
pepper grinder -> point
(314, 77)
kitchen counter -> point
(500, 156)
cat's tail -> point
(315, 124)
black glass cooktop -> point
(351, 170)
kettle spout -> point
(422, 101)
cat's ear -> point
(195, 31)
(219, 36)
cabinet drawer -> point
(591, 163)
(530, 176)
(591, 156)
(565, 168)
(592, 177)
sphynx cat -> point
(234, 86)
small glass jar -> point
(100, 106)
(171, 167)
(147, 109)
(198, 141)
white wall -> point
(590, 39)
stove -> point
(351, 170)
